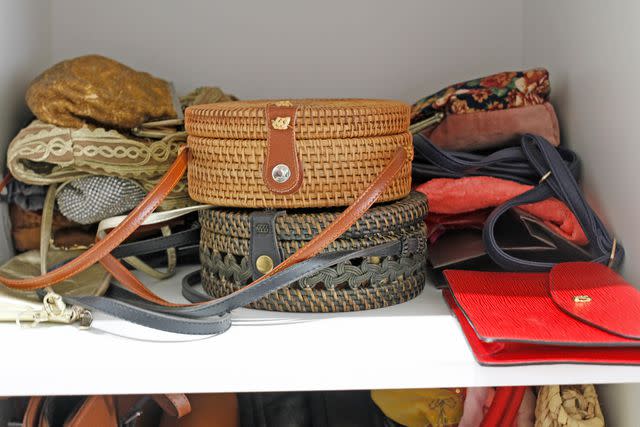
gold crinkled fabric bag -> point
(96, 90)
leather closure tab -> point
(282, 170)
(263, 244)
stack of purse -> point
(511, 230)
(312, 159)
(103, 136)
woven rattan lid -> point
(315, 118)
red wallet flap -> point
(597, 295)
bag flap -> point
(516, 307)
(597, 295)
(515, 353)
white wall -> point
(287, 48)
(25, 29)
(592, 49)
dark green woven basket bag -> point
(237, 246)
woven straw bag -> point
(294, 154)
(228, 264)
(568, 406)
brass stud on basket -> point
(281, 173)
(264, 264)
(582, 298)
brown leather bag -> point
(165, 410)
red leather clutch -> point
(579, 312)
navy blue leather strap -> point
(552, 170)
(212, 317)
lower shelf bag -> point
(238, 246)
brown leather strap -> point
(177, 405)
(114, 238)
(345, 220)
(100, 252)
(32, 414)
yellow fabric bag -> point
(430, 407)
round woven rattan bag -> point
(340, 146)
(357, 284)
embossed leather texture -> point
(510, 318)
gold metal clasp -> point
(582, 298)
(264, 264)
(281, 123)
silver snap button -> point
(281, 173)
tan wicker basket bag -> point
(295, 154)
(568, 406)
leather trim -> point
(281, 149)
(263, 241)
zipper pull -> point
(429, 121)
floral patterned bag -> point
(488, 112)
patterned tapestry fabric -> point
(93, 198)
(510, 89)
(44, 154)
(96, 90)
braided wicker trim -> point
(315, 300)
(380, 219)
(315, 119)
(354, 274)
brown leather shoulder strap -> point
(100, 252)
(114, 238)
(345, 220)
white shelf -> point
(416, 344)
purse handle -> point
(101, 251)
(556, 170)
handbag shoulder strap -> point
(113, 239)
(553, 173)
(101, 251)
